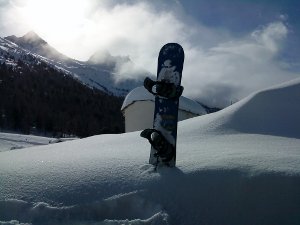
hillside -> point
(232, 168)
(101, 71)
(35, 97)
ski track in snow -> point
(109, 211)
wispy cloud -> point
(231, 70)
(219, 66)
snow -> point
(4, 48)
(233, 167)
(12, 141)
(141, 94)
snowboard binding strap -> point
(163, 88)
(164, 149)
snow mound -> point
(228, 172)
(273, 111)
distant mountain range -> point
(100, 71)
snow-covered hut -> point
(138, 109)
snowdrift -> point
(275, 111)
(240, 165)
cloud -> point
(10, 20)
(136, 30)
(232, 70)
(220, 67)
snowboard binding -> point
(164, 149)
(163, 88)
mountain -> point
(32, 42)
(36, 96)
(101, 74)
(233, 167)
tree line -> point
(36, 98)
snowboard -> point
(167, 90)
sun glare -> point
(53, 16)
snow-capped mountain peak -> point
(103, 75)
(35, 44)
(29, 38)
(32, 37)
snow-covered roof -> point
(141, 94)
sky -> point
(232, 48)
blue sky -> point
(243, 16)
(232, 48)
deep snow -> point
(240, 165)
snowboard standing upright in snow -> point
(167, 91)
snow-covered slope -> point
(274, 111)
(103, 76)
(11, 141)
(230, 170)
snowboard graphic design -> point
(167, 91)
